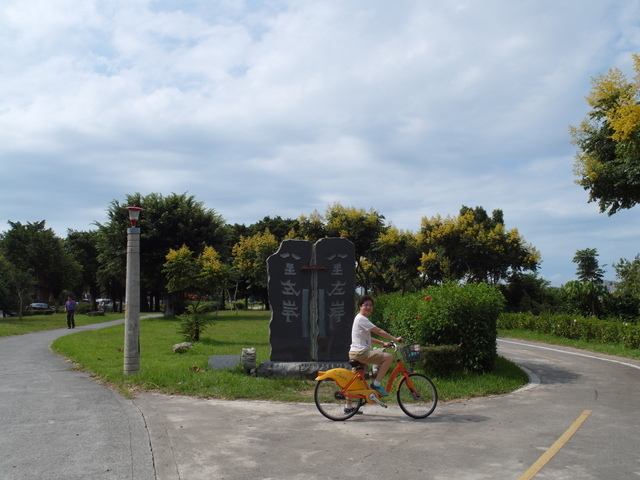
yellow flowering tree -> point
(473, 247)
(608, 139)
(250, 256)
(196, 277)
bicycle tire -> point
(331, 403)
(417, 406)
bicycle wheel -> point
(422, 400)
(332, 403)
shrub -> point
(450, 314)
(84, 307)
(193, 323)
(441, 361)
(574, 327)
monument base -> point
(302, 370)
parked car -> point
(39, 309)
(105, 304)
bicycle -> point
(340, 393)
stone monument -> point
(311, 292)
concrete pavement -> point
(57, 423)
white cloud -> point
(412, 108)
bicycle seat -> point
(356, 364)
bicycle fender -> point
(341, 376)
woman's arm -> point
(381, 333)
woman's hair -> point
(363, 299)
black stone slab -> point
(289, 289)
(336, 292)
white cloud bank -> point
(412, 108)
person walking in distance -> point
(70, 308)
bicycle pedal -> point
(373, 397)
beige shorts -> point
(370, 357)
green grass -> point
(100, 352)
(36, 323)
(506, 378)
(609, 349)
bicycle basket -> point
(410, 353)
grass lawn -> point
(101, 353)
(36, 323)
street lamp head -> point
(134, 214)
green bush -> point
(574, 327)
(193, 323)
(450, 314)
(441, 361)
(84, 307)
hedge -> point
(450, 314)
(574, 327)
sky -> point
(412, 108)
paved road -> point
(57, 423)
(491, 438)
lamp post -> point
(132, 295)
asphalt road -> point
(578, 420)
(56, 423)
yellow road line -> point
(555, 448)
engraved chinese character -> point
(337, 269)
(289, 309)
(338, 288)
(336, 311)
(288, 288)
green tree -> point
(36, 250)
(280, 228)
(398, 260)
(585, 298)
(16, 287)
(83, 247)
(588, 269)
(608, 139)
(250, 259)
(526, 292)
(201, 277)
(360, 226)
(166, 223)
(628, 275)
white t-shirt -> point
(361, 334)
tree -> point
(202, 276)
(628, 275)
(473, 247)
(588, 268)
(398, 260)
(360, 226)
(166, 223)
(585, 298)
(35, 250)
(608, 141)
(83, 247)
(526, 292)
(279, 227)
(15, 287)
(250, 258)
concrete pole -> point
(132, 297)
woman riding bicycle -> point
(361, 341)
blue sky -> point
(412, 108)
